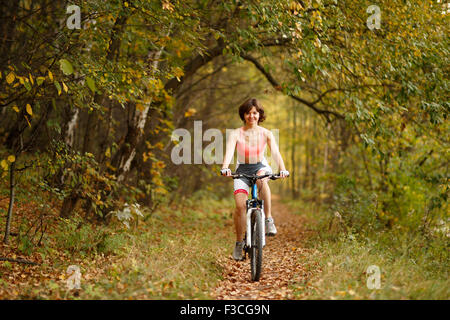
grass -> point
(411, 266)
(171, 255)
(175, 258)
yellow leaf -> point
(31, 78)
(166, 5)
(40, 80)
(4, 164)
(65, 87)
(10, 78)
(161, 165)
(16, 109)
(29, 110)
(178, 72)
(190, 112)
(109, 166)
(50, 75)
(11, 158)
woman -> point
(250, 141)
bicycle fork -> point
(249, 225)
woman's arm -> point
(275, 151)
(229, 151)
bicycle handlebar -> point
(271, 176)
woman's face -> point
(252, 116)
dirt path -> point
(282, 265)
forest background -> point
(91, 91)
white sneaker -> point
(271, 230)
(238, 253)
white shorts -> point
(242, 185)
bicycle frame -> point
(252, 205)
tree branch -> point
(19, 261)
(276, 85)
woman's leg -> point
(239, 215)
(264, 191)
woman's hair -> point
(248, 105)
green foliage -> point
(79, 237)
(66, 67)
(413, 265)
(356, 208)
(26, 245)
(410, 267)
(83, 177)
(114, 243)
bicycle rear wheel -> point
(256, 246)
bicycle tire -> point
(256, 248)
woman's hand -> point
(284, 173)
(225, 172)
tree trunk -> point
(313, 159)
(69, 204)
(100, 98)
(325, 163)
(7, 29)
(17, 129)
(69, 136)
(307, 153)
(127, 151)
(12, 185)
(293, 153)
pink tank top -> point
(250, 151)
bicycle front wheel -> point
(257, 246)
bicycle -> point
(255, 237)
